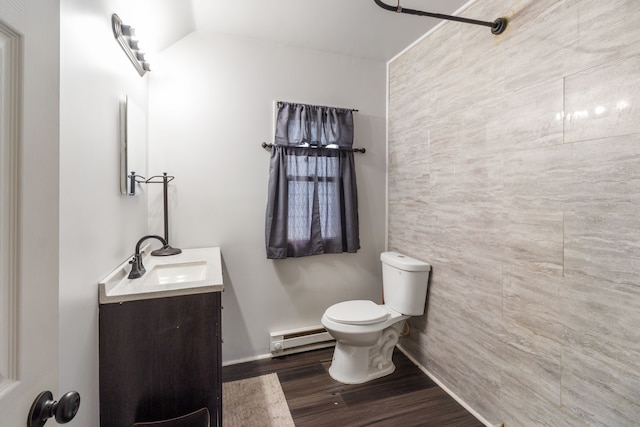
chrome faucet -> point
(137, 269)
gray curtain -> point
(312, 203)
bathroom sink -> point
(167, 274)
(190, 272)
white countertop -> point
(117, 287)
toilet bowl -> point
(366, 333)
(363, 350)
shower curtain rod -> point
(497, 27)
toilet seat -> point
(357, 312)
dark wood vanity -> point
(160, 358)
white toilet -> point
(365, 332)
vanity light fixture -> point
(125, 35)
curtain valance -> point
(314, 125)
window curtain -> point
(312, 205)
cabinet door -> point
(159, 359)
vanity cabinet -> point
(160, 358)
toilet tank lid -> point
(403, 262)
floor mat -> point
(255, 402)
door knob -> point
(44, 407)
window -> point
(312, 207)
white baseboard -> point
(448, 391)
(247, 359)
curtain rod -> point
(354, 150)
(321, 106)
(497, 27)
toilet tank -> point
(404, 282)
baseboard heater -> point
(299, 340)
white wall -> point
(98, 226)
(220, 190)
(210, 107)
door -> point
(29, 170)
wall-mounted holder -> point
(134, 179)
(125, 35)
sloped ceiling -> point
(158, 23)
(352, 27)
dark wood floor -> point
(405, 398)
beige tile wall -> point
(514, 169)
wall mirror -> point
(133, 146)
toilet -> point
(365, 332)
